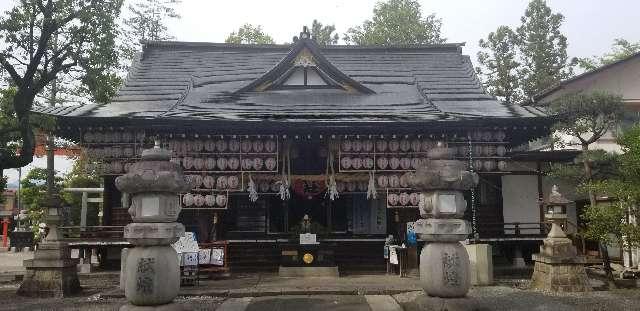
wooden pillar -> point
(111, 199)
(540, 195)
(5, 231)
(83, 211)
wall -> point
(520, 199)
(622, 79)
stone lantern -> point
(555, 211)
(444, 262)
(52, 272)
(558, 267)
(152, 269)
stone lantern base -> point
(51, 273)
(558, 269)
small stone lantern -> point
(152, 269)
(555, 211)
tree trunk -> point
(22, 103)
(606, 261)
(588, 174)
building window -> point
(305, 76)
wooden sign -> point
(308, 238)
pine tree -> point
(249, 34)
(499, 65)
(397, 22)
(543, 49)
(323, 34)
(147, 22)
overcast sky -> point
(590, 25)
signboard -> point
(186, 243)
(217, 256)
(393, 255)
(308, 238)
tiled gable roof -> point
(200, 81)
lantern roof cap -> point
(555, 197)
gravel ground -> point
(507, 295)
(501, 298)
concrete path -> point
(382, 303)
(298, 302)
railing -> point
(92, 233)
(511, 230)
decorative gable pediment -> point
(305, 67)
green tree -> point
(499, 65)
(587, 117)
(621, 49)
(543, 49)
(610, 223)
(249, 34)
(33, 195)
(44, 40)
(324, 35)
(147, 22)
(397, 22)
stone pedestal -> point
(481, 261)
(51, 273)
(151, 271)
(518, 258)
(444, 262)
(558, 269)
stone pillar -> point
(558, 268)
(52, 272)
(444, 262)
(152, 269)
(518, 258)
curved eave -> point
(521, 129)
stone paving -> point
(362, 292)
(11, 264)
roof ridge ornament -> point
(304, 35)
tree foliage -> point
(499, 64)
(324, 34)
(249, 34)
(616, 222)
(543, 49)
(397, 22)
(147, 22)
(517, 65)
(586, 116)
(33, 195)
(621, 49)
(46, 39)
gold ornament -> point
(307, 258)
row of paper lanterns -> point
(222, 146)
(403, 199)
(113, 136)
(227, 163)
(213, 182)
(200, 200)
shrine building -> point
(269, 134)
